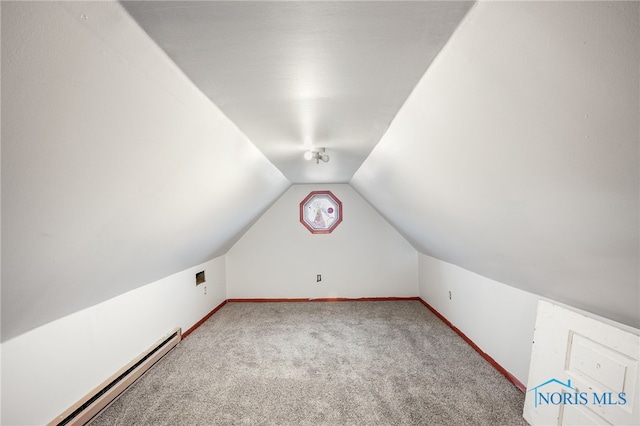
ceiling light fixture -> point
(316, 154)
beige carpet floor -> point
(320, 363)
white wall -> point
(516, 155)
(363, 257)
(116, 170)
(50, 368)
(498, 318)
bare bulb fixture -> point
(316, 154)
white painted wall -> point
(363, 257)
(116, 170)
(498, 318)
(50, 368)
(516, 155)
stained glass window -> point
(321, 212)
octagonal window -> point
(321, 212)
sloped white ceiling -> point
(116, 170)
(516, 156)
(332, 72)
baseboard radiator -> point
(99, 398)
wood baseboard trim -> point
(265, 300)
(206, 317)
(517, 383)
(323, 299)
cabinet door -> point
(583, 371)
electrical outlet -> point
(205, 290)
(449, 295)
(318, 278)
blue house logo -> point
(539, 395)
(570, 395)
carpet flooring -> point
(320, 363)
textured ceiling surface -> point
(294, 75)
(142, 138)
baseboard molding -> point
(206, 317)
(323, 299)
(517, 383)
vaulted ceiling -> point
(142, 138)
(517, 154)
(519, 145)
(297, 75)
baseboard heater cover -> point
(100, 397)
